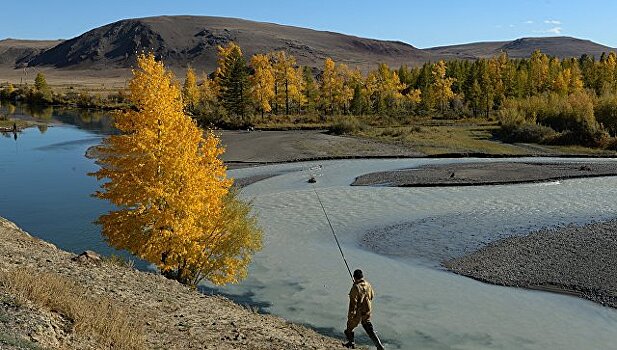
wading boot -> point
(368, 327)
(350, 344)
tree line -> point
(273, 83)
(576, 95)
(538, 99)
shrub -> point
(527, 132)
(572, 116)
(605, 112)
(346, 126)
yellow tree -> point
(208, 108)
(331, 86)
(208, 90)
(576, 79)
(350, 78)
(568, 81)
(190, 90)
(413, 97)
(562, 81)
(608, 73)
(538, 73)
(232, 80)
(169, 188)
(288, 83)
(441, 88)
(262, 83)
(384, 88)
(336, 89)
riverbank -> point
(494, 173)
(162, 313)
(253, 148)
(574, 260)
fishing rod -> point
(332, 229)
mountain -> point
(18, 53)
(561, 46)
(182, 40)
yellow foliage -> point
(336, 89)
(384, 86)
(224, 55)
(441, 89)
(262, 82)
(170, 187)
(289, 81)
(208, 91)
(414, 96)
(190, 91)
(538, 72)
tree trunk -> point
(276, 94)
(286, 97)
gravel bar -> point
(574, 260)
(495, 173)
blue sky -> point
(420, 23)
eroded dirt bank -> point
(172, 316)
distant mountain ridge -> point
(561, 46)
(184, 40)
(19, 52)
(180, 40)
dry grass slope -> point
(49, 301)
(98, 317)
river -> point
(398, 236)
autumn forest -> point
(541, 99)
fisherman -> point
(360, 298)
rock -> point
(312, 180)
(584, 168)
(88, 257)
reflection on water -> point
(99, 122)
(44, 186)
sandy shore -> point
(247, 148)
(497, 173)
(575, 260)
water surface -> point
(398, 236)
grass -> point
(429, 136)
(290, 122)
(439, 137)
(574, 149)
(99, 318)
(116, 260)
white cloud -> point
(528, 22)
(552, 21)
(554, 30)
(511, 26)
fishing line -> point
(332, 229)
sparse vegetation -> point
(18, 342)
(347, 125)
(91, 316)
